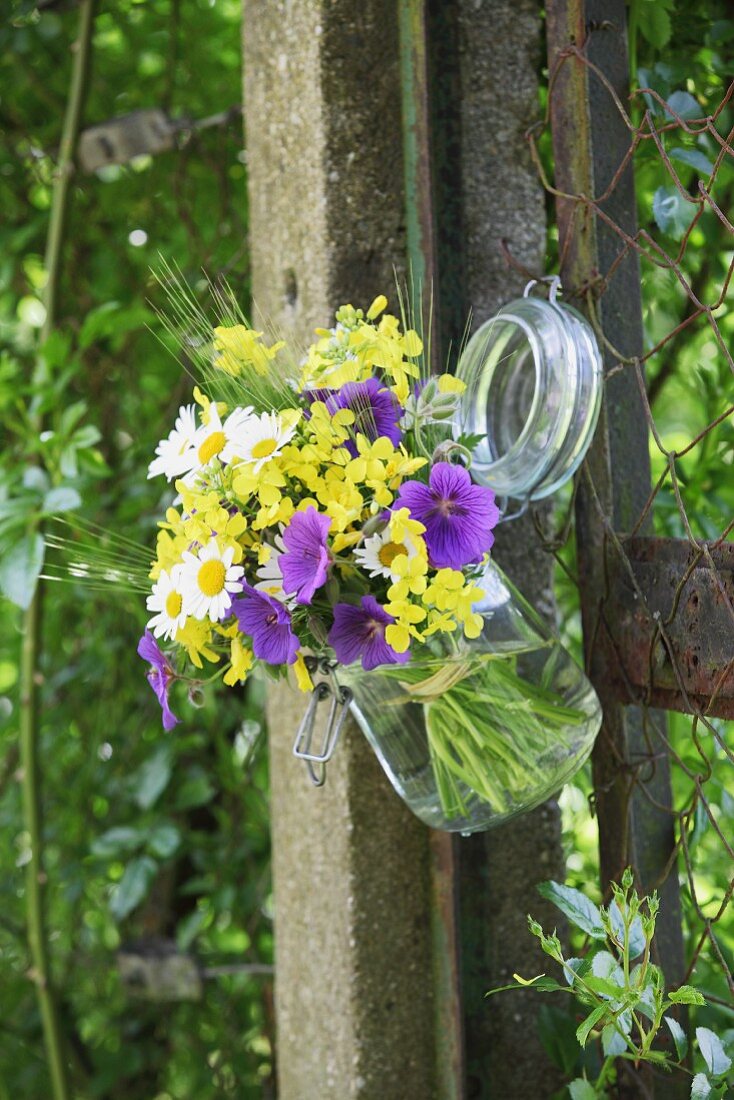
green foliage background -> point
(152, 837)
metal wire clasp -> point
(341, 697)
(555, 286)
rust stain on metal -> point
(671, 624)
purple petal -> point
(305, 563)
(268, 623)
(360, 632)
(376, 411)
(160, 676)
(458, 515)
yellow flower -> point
(303, 676)
(242, 658)
(195, 636)
(377, 307)
(402, 526)
(239, 347)
(448, 383)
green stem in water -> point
(30, 651)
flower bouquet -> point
(326, 508)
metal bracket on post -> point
(341, 697)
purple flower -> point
(268, 623)
(160, 676)
(376, 411)
(360, 632)
(306, 559)
(458, 515)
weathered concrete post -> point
(499, 55)
(355, 983)
(350, 863)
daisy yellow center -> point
(173, 605)
(264, 448)
(211, 446)
(211, 577)
(389, 552)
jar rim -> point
(528, 314)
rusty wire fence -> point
(667, 612)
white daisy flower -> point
(206, 581)
(173, 452)
(379, 551)
(270, 574)
(216, 440)
(264, 436)
(167, 601)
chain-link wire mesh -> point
(685, 245)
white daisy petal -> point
(173, 452)
(166, 599)
(207, 581)
(378, 552)
(261, 438)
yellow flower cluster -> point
(355, 348)
(247, 473)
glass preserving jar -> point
(533, 376)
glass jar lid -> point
(533, 376)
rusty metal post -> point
(590, 142)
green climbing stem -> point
(31, 644)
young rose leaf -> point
(577, 907)
(686, 995)
(541, 983)
(671, 211)
(580, 1089)
(636, 935)
(584, 1030)
(712, 1049)
(701, 1088)
(693, 157)
(679, 1037)
(612, 1042)
(684, 105)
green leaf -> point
(196, 790)
(654, 23)
(121, 840)
(701, 1087)
(636, 939)
(152, 777)
(581, 1089)
(577, 907)
(20, 568)
(61, 499)
(541, 983)
(679, 1037)
(86, 436)
(713, 1052)
(693, 157)
(671, 212)
(684, 105)
(557, 1032)
(686, 995)
(584, 1029)
(612, 1042)
(164, 840)
(133, 886)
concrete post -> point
(355, 1009)
(350, 863)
